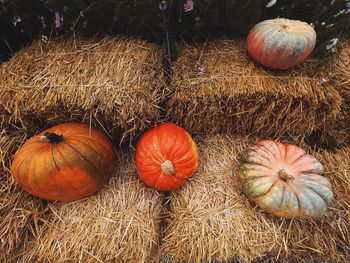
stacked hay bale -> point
(116, 84)
(211, 219)
(218, 88)
(119, 224)
(20, 214)
(113, 83)
(338, 69)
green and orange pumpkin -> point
(65, 162)
(166, 156)
(281, 43)
(284, 180)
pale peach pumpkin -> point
(284, 180)
(281, 43)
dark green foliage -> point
(208, 19)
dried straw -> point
(119, 224)
(114, 83)
(338, 132)
(211, 219)
(20, 213)
(236, 95)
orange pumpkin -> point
(281, 43)
(284, 180)
(166, 156)
(65, 162)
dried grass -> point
(119, 224)
(20, 213)
(338, 132)
(235, 95)
(211, 219)
(115, 83)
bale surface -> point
(20, 214)
(211, 219)
(218, 88)
(336, 72)
(119, 224)
(113, 82)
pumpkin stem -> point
(51, 138)
(284, 176)
(168, 168)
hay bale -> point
(114, 83)
(119, 224)
(211, 219)
(341, 68)
(20, 214)
(218, 88)
(336, 133)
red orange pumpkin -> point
(166, 156)
(281, 43)
(65, 162)
(284, 180)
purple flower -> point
(163, 5)
(347, 8)
(201, 71)
(188, 6)
(58, 20)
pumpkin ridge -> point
(53, 158)
(183, 161)
(284, 46)
(20, 180)
(269, 151)
(311, 173)
(322, 198)
(308, 199)
(88, 161)
(283, 195)
(34, 163)
(172, 149)
(26, 183)
(296, 195)
(28, 156)
(298, 159)
(180, 147)
(104, 175)
(71, 185)
(255, 177)
(268, 191)
(254, 163)
(307, 179)
(306, 186)
(91, 138)
(285, 152)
